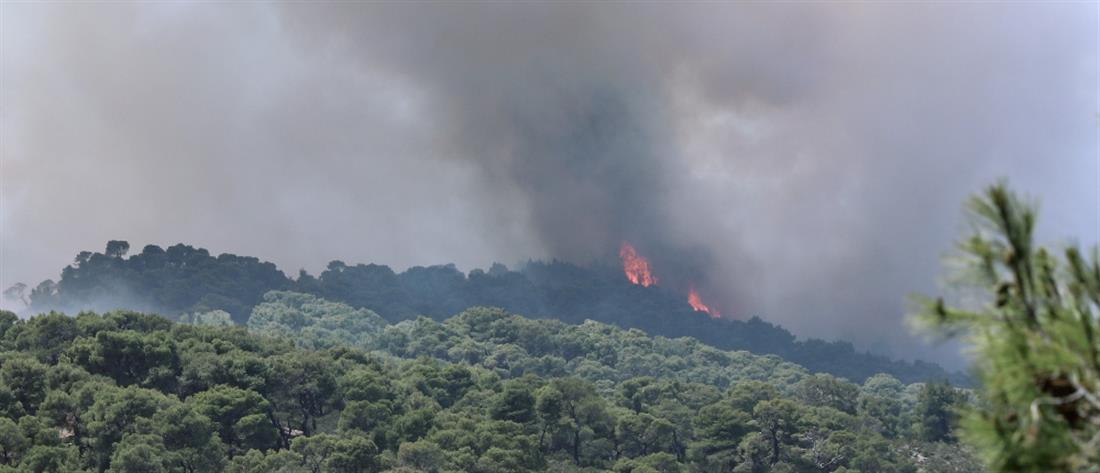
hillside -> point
(317, 386)
(182, 279)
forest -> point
(582, 236)
(182, 279)
(305, 383)
(312, 385)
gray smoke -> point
(801, 162)
(560, 109)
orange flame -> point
(697, 304)
(636, 266)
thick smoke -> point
(563, 109)
(805, 163)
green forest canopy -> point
(314, 386)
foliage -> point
(189, 282)
(1032, 317)
(510, 345)
(176, 280)
(322, 387)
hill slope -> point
(183, 279)
(126, 392)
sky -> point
(802, 162)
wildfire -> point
(636, 266)
(638, 271)
(697, 304)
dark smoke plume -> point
(800, 162)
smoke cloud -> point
(801, 162)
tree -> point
(641, 433)
(129, 357)
(745, 396)
(51, 459)
(880, 413)
(654, 463)
(8, 319)
(46, 336)
(184, 280)
(306, 388)
(248, 400)
(140, 454)
(1034, 325)
(115, 413)
(45, 294)
(422, 456)
(365, 416)
(754, 451)
(227, 406)
(82, 258)
(329, 453)
(353, 454)
(12, 442)
(827, 390)
(446, 384)
(117, 248)
(178, 280)
(720, 428)
(516, 404)
(937, 407)
(778, 421)
(17, 293)
(26, 378)
(191, 437)
(572, 407)
(255, 461)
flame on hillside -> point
(697, 304)
(636, 267)
(639, 271)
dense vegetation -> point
(319, 386)
(1037, 331)
(316, 385)
(183, 279)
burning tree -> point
(1035, 334)
(639, 271)
(636, 266)
(697, 303)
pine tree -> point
(1033, 325)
